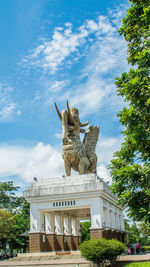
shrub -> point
(101, 250)
(116, 249)
(147, 248)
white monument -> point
(58, 204)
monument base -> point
(51, 240)
(37, 242)
(42, 242)
(108, 234)
(96, 233)
(57, 206)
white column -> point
(42, 221)
(113, 223)
(97, 216)
(122, 222)
(106, 217)
(49, 222)
(66, 225)
(110, 218)
(78, 226)
(62, 222)
(35, 218)
(104, 212)
(117, 221)
(73, 224)
(59, 224)
(70, 226)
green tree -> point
(133, 234)
(130, 167)
(145, 232)
(22, 223)
(85, 230)
(7, 227)
(18, 208)
(8, 199)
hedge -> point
(101, 250)
(147, 248)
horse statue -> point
(80, 156)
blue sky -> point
(52, 51)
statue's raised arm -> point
(80, 156)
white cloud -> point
(8, 108)
(104, 57)
(58, 135)
(106, 60)
(105, 27)
(91, 95)
(92, 25)
(105, 148)
(41, 161)
(96, 90)
(57, 86)
(51, 54)
(7, 111)
(103, 173)
(44, 161)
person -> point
(132, 248)
(129, 248)
(137, 246)
(142, 248)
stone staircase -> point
(49, 259)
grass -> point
(140, 264)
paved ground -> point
(74, 262)
(51, 263)
(135, 258)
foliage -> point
(7, 228)
(8, 199)
(133, 234)
(85, 230)
(22, 225)
(7, 224)
(101, 250)
(137, 232)
(14, 217)
(130, 168)
(147, 248)
(145, 230)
